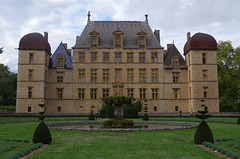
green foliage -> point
(139, 105)
(203, 133)
(117, 101)
(8, 85)
(228, 60)
(42, 134)
(145, 117)
(130, 111)
(107, 111)
(118, 123)
(91, 116)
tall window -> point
(29, 109)
(142, 57)
(59, 77)
(155, 108)
(81, 57)
(30, 89)
(118, 57)
(81, 75)
(105, 75)
(105, 57)
(175, 77)
(204, 75)
(130, 75)
(59, 109)
(175, 61)
(105, 92)
(189, 75)
(130, 57)
(60, 61)
(189, 60)
(93, 40)
(93, 57)
(142, 93)
(30, 75)
(93, 75)
(176, 93)
(59, 93)
(130, 92)
(81, 93)
(154, 75)
(142, 75)
(117, 40)
(154, 93)
(141, 40)
(204, 56)
(190, 92)
(154, 58)
(93, 93)
(205, 92)
(31, 58)
(118, 75)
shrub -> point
(238, 122)
(130, 111)
(118, 124)
(203, 133)
(107, 111)
(138, 104)
(42, 134)
(91, 117)
(145, 117)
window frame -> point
(204, 58)
(81, 93)
(81, 57)
(175, 61)
(130, 75)
(30, 92)
(31, 58)
(176, 93)
(118, 57)
(60, 77)
(155, 93)
(204, 75)
(130, 58)
(205, 92)
(60, 61)
(93, 75)
(93, 57)
(59, 93)
(130, 92)
(142, 75)
(118, 75)
(142, 93)
(154, 75)
(106, 57)
(106, 73)
(30, 75)
(142, 57)
(93, 93)
(81, 75)
(154, 57)
(105, 92)
(176, 77)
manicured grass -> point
(153, 144)
(233, 146)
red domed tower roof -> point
(200, 41)
(34, 41)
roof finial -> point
(173, 42)
(146, 20)
(88, 16)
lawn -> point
(154, 144)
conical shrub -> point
(203, 133)
(42, 134)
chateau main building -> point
(113, 58)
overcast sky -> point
(65, 19)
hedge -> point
(118, 123)
(203, 133)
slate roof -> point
(106, 28)
(61, 50)
(173, 51)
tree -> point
(228, 60)
(1, 50)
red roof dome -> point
(200, 41)
(34, 41)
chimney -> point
(88, 16)
(65, 45)
(188, 36)
(146, 20)
(157, 34)
(46, 35)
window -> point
(142, 75)
(81, 75)
(105, 75)
(176, 93)
(130, 75)
(204, 75)
(175, 77)
(93, 40)
(154, 58)
(105, 57)
(130, 92)
(30, 89)
(142, 93)
(154, 75)
(59, 109)
(189, 75)
(189, 60)
(130, 57)
(141, 40)
(59, 93)
(118, 57)
(118, 75)
(205, 92)
(30, 75)
(154, 93)
(155, 108)
(190, 92)
(204, 56)
(60, 61)
(81, 93)
(175, 61)
(106, 92)
(46, 58)
(59, 77)
(93, 75)
(142, 57)
(81, 57)
(117, 41)
(29, 109)
(176, 108)
(93, 57)
(93, 93)
(31, 58)
(206, 108)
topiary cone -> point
(203, 133)
(42, 134)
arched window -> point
(60, 61)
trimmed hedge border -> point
(15, 140)
(221, 150)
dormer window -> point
(118, 38)
(175, 61)
(60, 61)
(94, 38)
(142, 38)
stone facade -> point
(116, 58)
